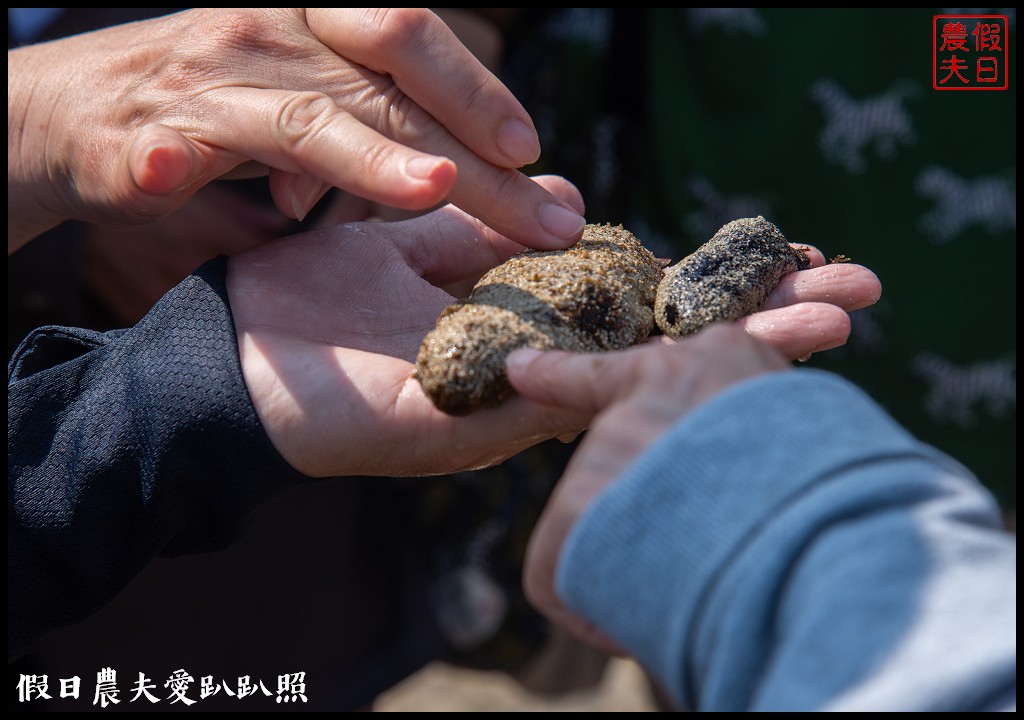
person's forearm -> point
(125, 445)
(787, 546)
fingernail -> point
(519, 360)
(423, 166)
(519, 142)
(306, 192)
(560, 221)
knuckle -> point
(479, 97)
(399, 28)
(377, 159)
(509, 189)
(256, 33)
(302, 117)
(239, 28)
(226, 40)
(406, 120)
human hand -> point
(125, 124)
(329, 324)
(639, 393)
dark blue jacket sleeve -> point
(123, 446)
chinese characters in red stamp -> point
(969, 52)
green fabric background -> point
(639, 107)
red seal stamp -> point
(970, 52)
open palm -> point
(329, 324)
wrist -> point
(34, 201)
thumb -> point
(587, 383)
(161, 160)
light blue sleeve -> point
(788, 546)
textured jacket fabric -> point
(787, 546)
(126, 445)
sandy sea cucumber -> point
(728, 277)
(605, 293)
(597, 295)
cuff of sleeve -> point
(126, 445)
(235, 466)
(160, 410)
(641, 559)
